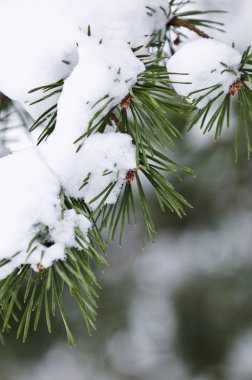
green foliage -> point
(216, 114)
(145, 114)
(191, 19)
(48, 118)
(25, 295)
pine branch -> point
(27, 294)
(192, 20)
(48, 118)
(241, 90)
(144, 114)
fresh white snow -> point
(29, 199)
(45, 42)
(41, 34)
(113, 69)
(203, 61)
(88, 44)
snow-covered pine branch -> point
(99, 80)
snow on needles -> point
(113, 69)
(45, 42)
(29, 201)
(42, 34)
(206, 63)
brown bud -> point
(41, 268)
(131, 175)
(125, 103)
(235, 87)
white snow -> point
(103, 70)
(47, 41)
(29, 198)
(202, 60)
(108, 157)
(63, 231)
(41, 34)
(113, 69)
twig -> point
(177, 23)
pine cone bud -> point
(235, 87)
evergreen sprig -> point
(49, 117)
(216, 113)
(144, 114)
(177, 19)
(192, 20)
(25, 294)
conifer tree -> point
(100, 89)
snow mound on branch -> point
(33, 178)
(41, 36)
(104, 70)
(103, 77)
(108, 157)
(207, 63)
(29, 199)
(63, 231)
(98, 72)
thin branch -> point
(178, 23)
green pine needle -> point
(219, 107)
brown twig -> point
(178, 23)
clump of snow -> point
(64, 231)
(40, 44)
(45, 42)
(103, 69)
(28, 196)
(207, 63)
(108, 157)
(29, 199)
(104, 158)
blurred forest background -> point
(181, 309)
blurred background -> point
(182, 308)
